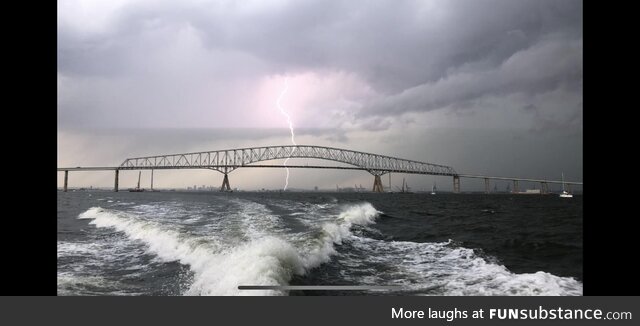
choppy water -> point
(208, 243)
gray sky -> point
(489, 87)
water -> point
(208, 243)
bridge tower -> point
(66, 177)
(377, 183)
(115, 186)
(544, 188)
(456, 184)
(225, 183)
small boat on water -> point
(564, 193)
(433, 189)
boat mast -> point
(562, 181)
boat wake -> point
(261, 249)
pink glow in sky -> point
(314, 100)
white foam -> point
(361, 214)
(335, 232)
(99, 252)
(476, 276)
(459, 271)
(166, 243)
(218, 270)
(69, 284)
(450, 270)
(257, 220)
(219, 266)
(119, 203)
(76, 248)
(175, 212)
(267, 261)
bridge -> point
(226, 161)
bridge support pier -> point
(515, 186)
(66, 177)
(115, 185)
(456, 184)
(151, 179)
(486, 185)
(225, 183)
(377, 184)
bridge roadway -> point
(226, 161)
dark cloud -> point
(417, 55)
(543, 67)
(393, 44)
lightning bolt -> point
(293, 140)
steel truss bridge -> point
(226, 161)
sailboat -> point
(564, 193)
(405, 187)
(137, 188)
(433, 189)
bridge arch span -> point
(228, 160)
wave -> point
(335, 232)
(361, 214)
(218, 270)
(443, 269)
(428, 268)
(271, 255)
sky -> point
(485, 86)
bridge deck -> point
(469, 176)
